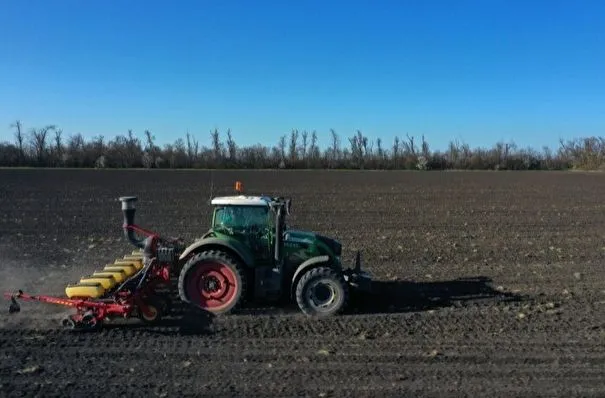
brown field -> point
(489, 284)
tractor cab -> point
(248, 213)
(242, 213)
(257, 221)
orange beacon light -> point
(238, 187)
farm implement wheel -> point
(213, 281)
(321, 291)
(82, 322)
(153, 309)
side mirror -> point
(288, 206)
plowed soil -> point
(488, 284)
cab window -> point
(242, 216)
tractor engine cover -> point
(333, 244)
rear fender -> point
(233, 245)
(304, 267)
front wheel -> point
(321, 292)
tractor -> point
(248, 255)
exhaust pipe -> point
(128, 210)
(283, 209)
(279, 230)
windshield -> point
(242, 217)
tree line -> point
(48, 147)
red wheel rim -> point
(212, 286)
(149, 312)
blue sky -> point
(477, 71)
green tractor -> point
(249, 254)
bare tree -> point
(282, 148)
(39, 137)
(293, 147)
(313, 148)
(359, 149)
(303, 149)
(396, 152)
(231, 147)
(133, 149)
(150, 155)
(41, 148)
(20, 139)
(192, 149)
(334, 149)
(379, 154)
(410, 146)
(75, 150)
(59, 146)
(216, 147)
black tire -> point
(327, 277)
(228, 268)
(88, 323)
(167, 305)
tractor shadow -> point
(387, 297)
(409, 296)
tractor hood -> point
(310, 238)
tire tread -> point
(324, 271)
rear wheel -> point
(213, 281)
(321, 291)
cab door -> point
(261, 237)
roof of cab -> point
(242, 200)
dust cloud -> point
(35, 279)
